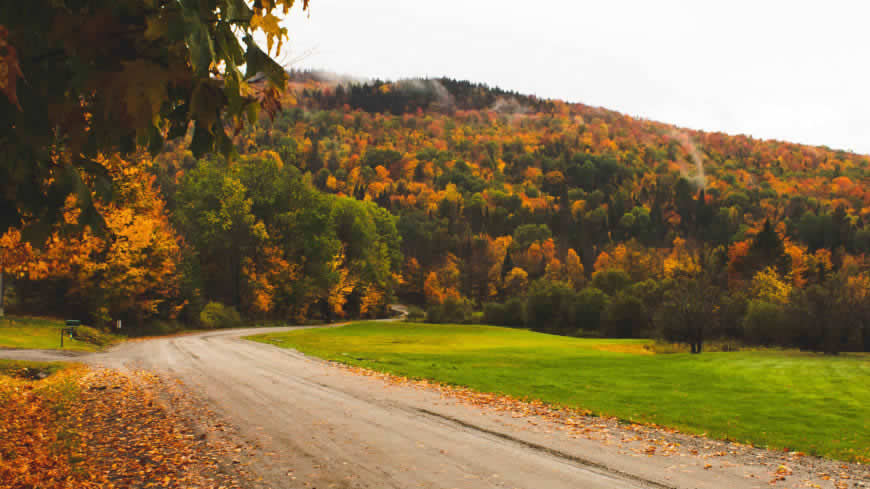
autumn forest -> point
(468, 203)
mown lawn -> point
(38, 333)
(806, 402)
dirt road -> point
(316, 425)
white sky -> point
(791, 70)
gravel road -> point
(318, 425)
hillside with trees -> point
(581, 219)
(458, 197)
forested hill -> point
(456, 160)
(494, 190)
(457, 196)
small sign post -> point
(70, 329)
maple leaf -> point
(270, 25)
(144, 84)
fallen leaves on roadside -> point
(130, 440)
(31, 438)
(99, 429)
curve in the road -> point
(327, 426)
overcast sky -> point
(792, 70)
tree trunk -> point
(2, 312)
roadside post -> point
(69, 328)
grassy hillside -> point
(807, 402)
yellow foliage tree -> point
(443, 283)
(631, 258)
(131, 269)
(574, 269)
(799, 264)
(342, 287)
(681, 262)
(372, 297)
(603, 262)
(769, 286)
(516, 282)
(499, 249)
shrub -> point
(732, 310)
(93, 336)
(548, 307)
(625, 317)
(832, 318)
(611, 281)
(494, 313)
(416, 314)
(453, 310)
(764, 324)
(510, 314)
(515, 312)
(588, 306)
(216, 315)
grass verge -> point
(785, 400)
(44, 334)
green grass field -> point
(806, 402)
(38, 333)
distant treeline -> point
(412, 95)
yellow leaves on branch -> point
(270, 24)
(16, 256)
(271, 27)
